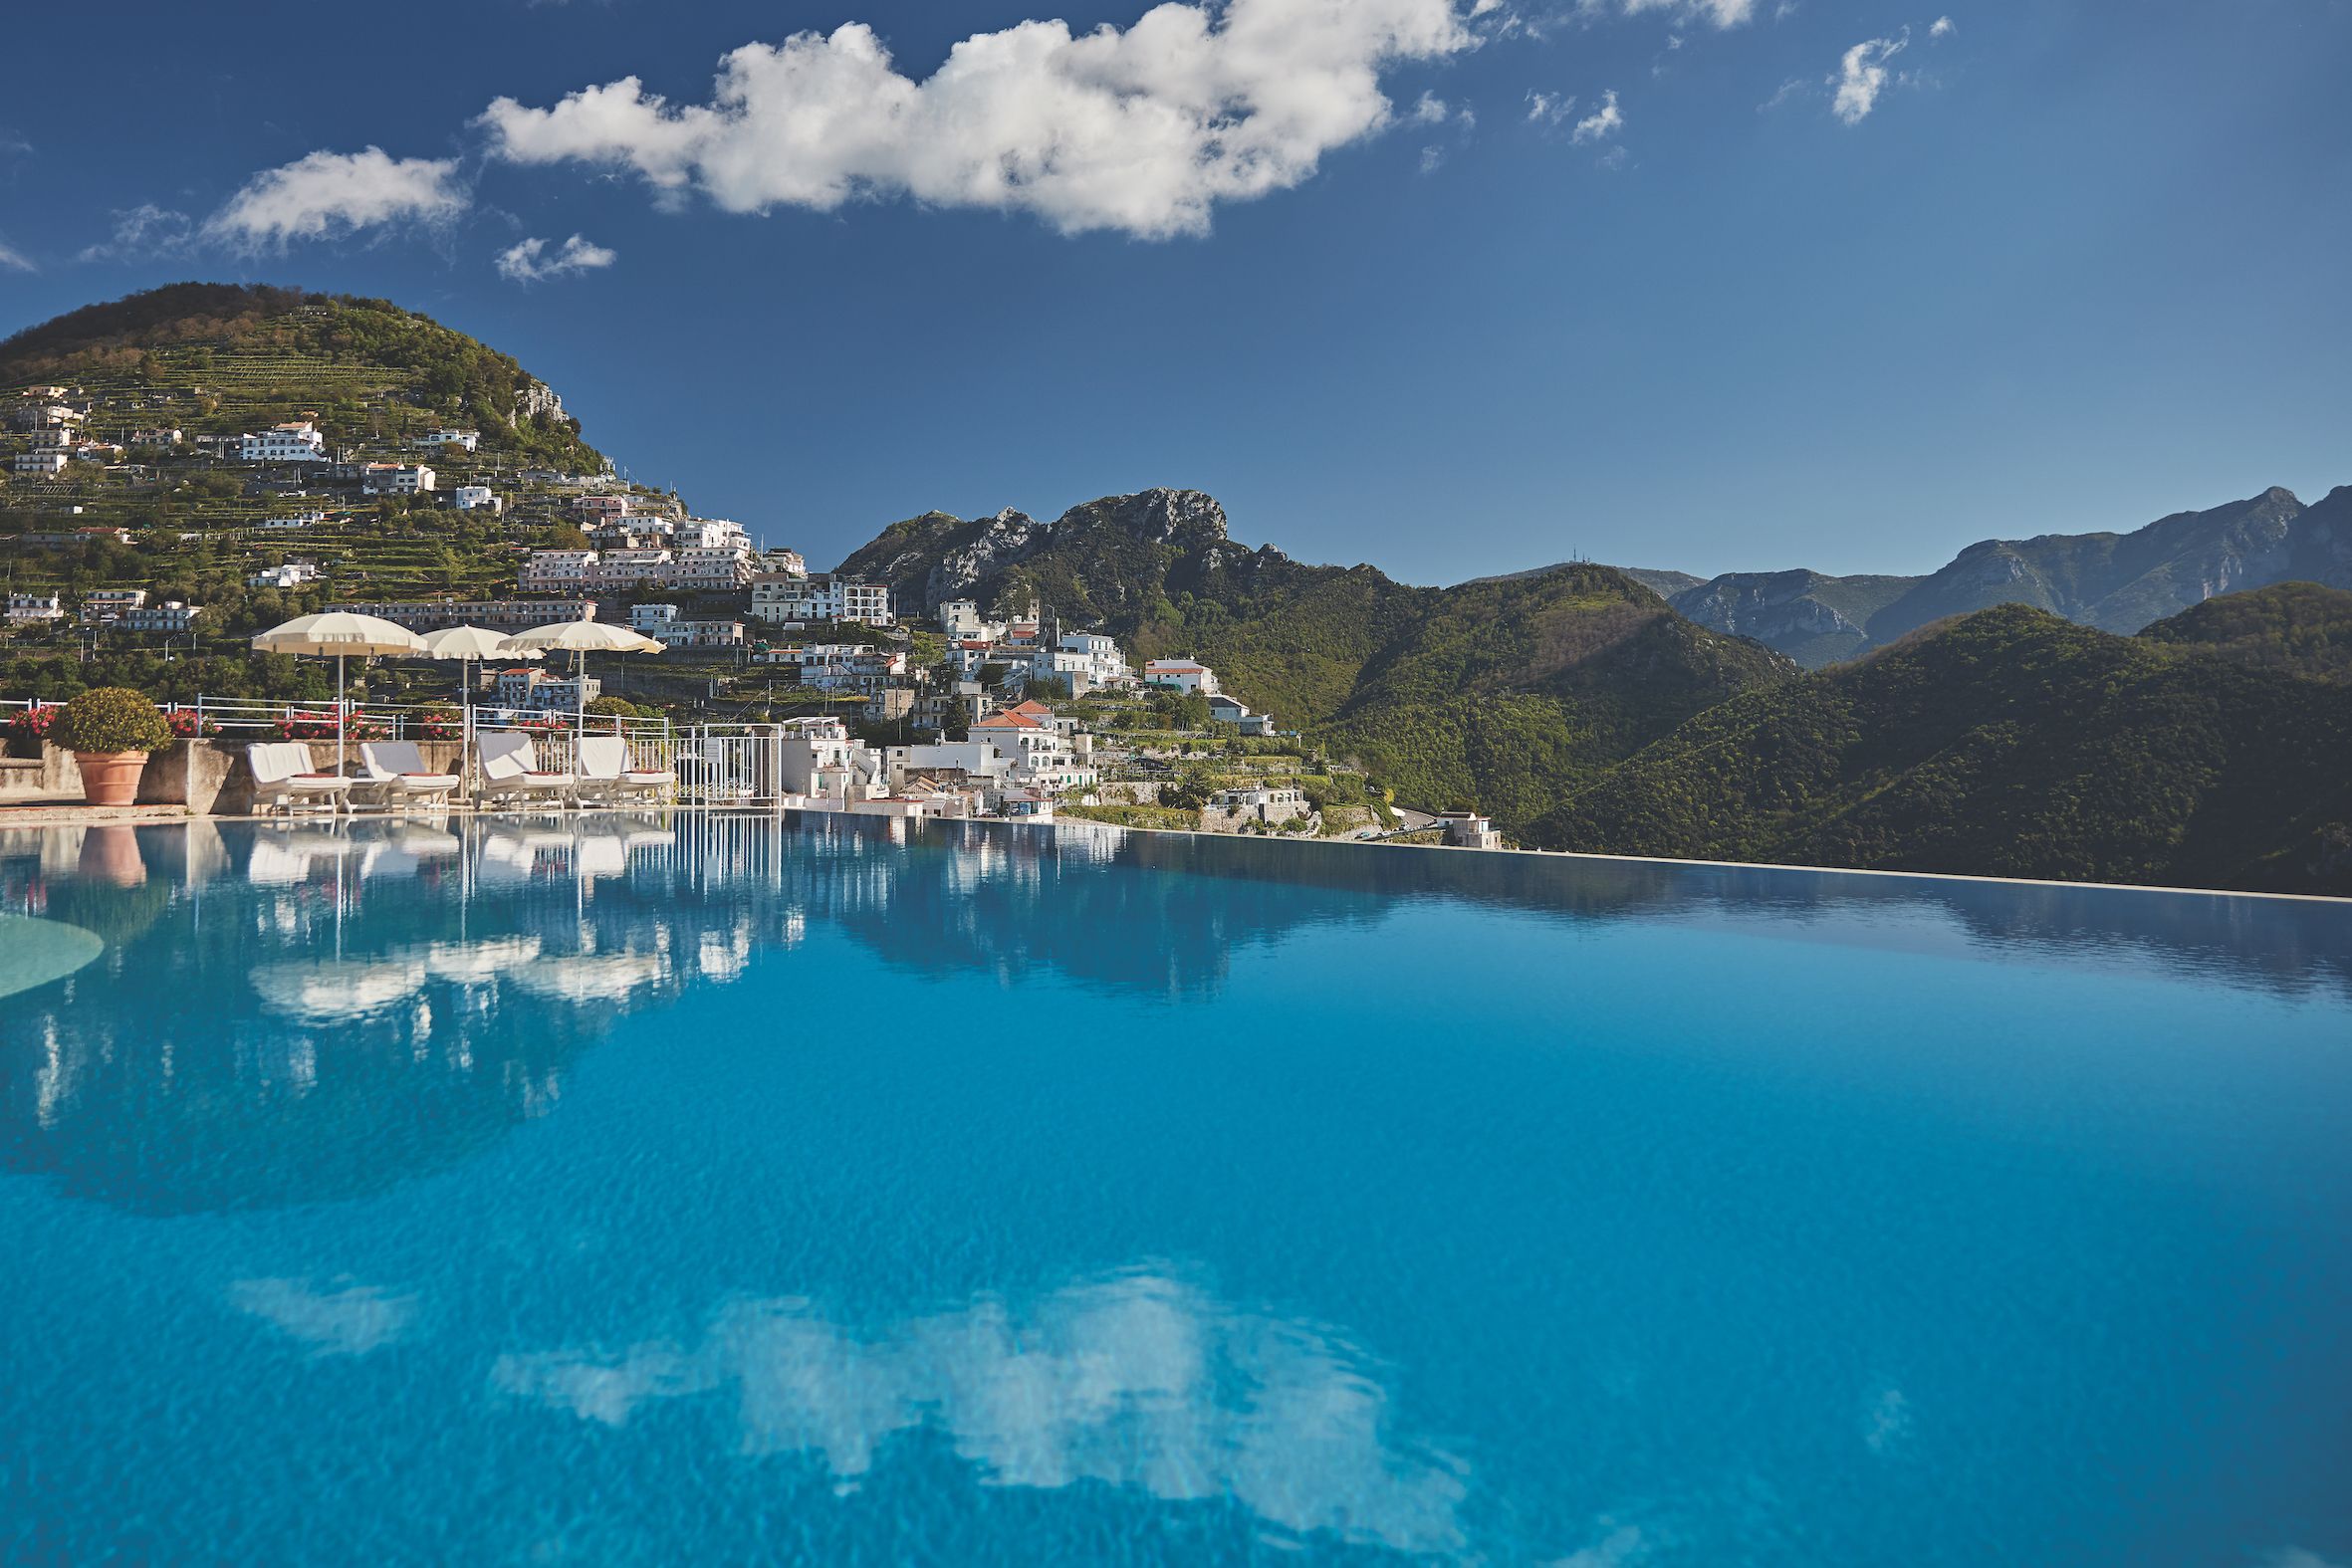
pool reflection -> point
(313, 1013)
(1143, 1380)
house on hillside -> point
(783, 599)
(1181, 675)
(1469, 831)
(1230, 810)
(397, 479)
(291, 574)
(467, 440)
(38, 461)
(34, 609)
(677, 633)
(1231, 709)
(105, 606)
(169, 616)
(476, 498)
(299, 441)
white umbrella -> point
(342, 635)
(467, 644)
(582, 638)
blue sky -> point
(1707, 284)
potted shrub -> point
(110, 731)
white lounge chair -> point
(509, 769)
(397, 775)
(605, 773)
(284, 777)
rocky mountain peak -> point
(1160, 515)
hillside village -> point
(139, 542)
(185, 469)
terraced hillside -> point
(217, 358)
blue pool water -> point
(729, 1190)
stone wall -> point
(209, 777)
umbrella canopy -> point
(336, 635)
(470, 642)
(581, 636)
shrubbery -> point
(108, 720)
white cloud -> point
(326, 194)
(1862, 76)
(1429, 110)
(1940, 28)
(1722, 13)
(1141, 132)
(1549, 108)
(143, 231)
(1603, 122)
(13, 258)
(1431, 157)
(528, 261)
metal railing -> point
(737, 764)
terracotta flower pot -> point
(110, 777)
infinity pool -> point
(741, 1188)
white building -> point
(649, 618)
(552, 569)
(41, 462)
(699, 633)
(1038, 751)
(972, 758)
(291, 574)
(1229, 710)
(299, 442)
(293, 519)
(821, 763)
(536, 688)
(711, 533)
(397, 479)
(785, 562)
(170, 615)
(100, 606)
(710, 569)
(782, 599)
(476, 498)
(962, 621)
(1229, 809)
(630, 568)
(32, 609)
(470, 440)
(1180, 675)
(1100, 650)
(1469, 831)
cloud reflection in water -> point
(1139, 1381)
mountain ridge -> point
(2116, 581)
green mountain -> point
(1502, 691)
(2010, 742)
(2298, 627)
(218, 358)
(2115, 582)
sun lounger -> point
(511, 772)
(397, 775)
(284, 777)
(605, 773)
